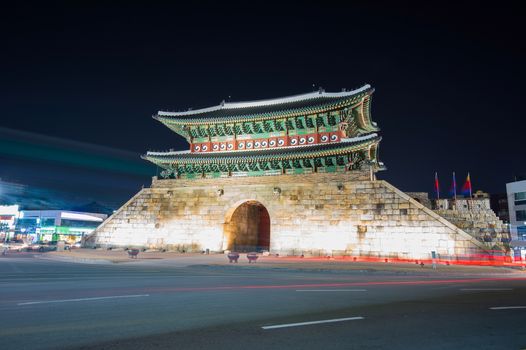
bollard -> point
(233, 257)
(252, 257)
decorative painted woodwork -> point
(313, 132)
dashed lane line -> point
(484, 289)
(331, 290)
(299, 324)
(83, 299)
(507, 307)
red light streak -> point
(496, 259)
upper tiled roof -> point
(285, 105)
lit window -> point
(520, 198)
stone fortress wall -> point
(474, 215)
(318, 214)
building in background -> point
(517, 208)
(56, 225)
(499, 204)
(8, 216)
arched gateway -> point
(247, 228)
(310, 160)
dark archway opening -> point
(248, 228)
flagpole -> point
(454, 187)
(470, 192)
(470, 189)
(437, 186)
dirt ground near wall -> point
(334, 264)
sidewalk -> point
(111, 256)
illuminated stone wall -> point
(317, 214)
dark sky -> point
(449, 82)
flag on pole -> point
(466, 189)
(453, 190)
(437, 186)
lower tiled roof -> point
(285, 153)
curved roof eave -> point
(255, 109)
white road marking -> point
(485, 289)
(331, 290)
(313, 322)
(507, 307)
(83, 299)
(21, 279)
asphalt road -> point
(60, 305)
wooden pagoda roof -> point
(314, 102)
(279, 153)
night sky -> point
(79, 84)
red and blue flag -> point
(466, 189)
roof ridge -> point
(268, 102)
